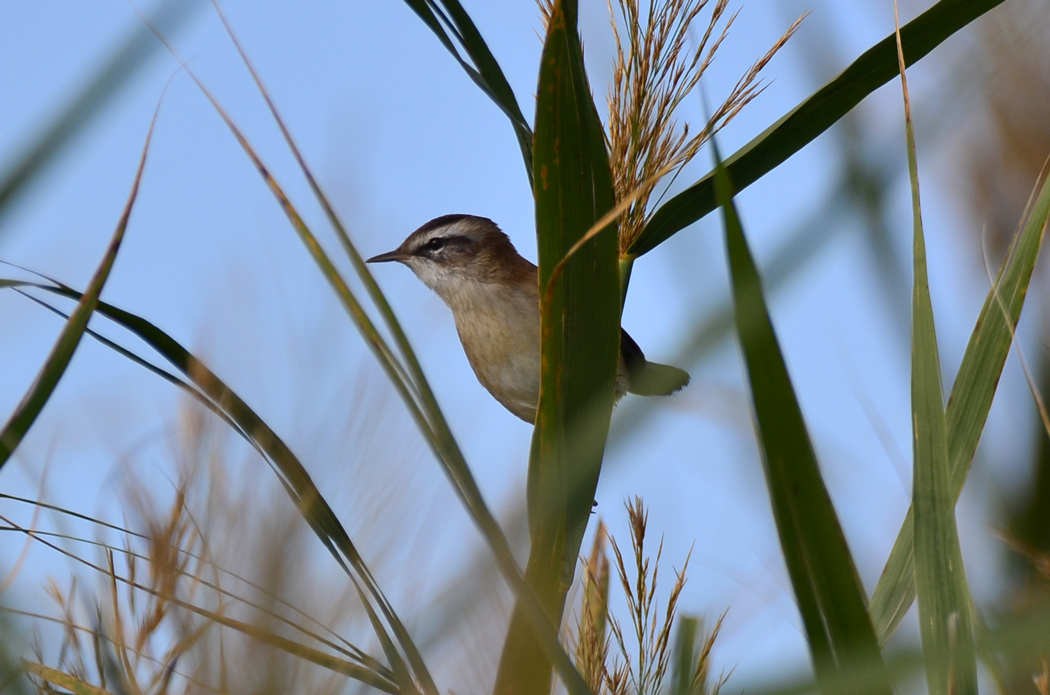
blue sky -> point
(397, 135)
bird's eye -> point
(434, 244)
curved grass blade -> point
(945, 621)
(81, 110)
(342, 666)
(229, 407)
(877, 66)
(482, 68)
(350, 651)
(290, 472)
(427, 413)
(969, 403)
(43, 386)
(343, 647)
(573, 191)
(63, 680)
(225, 403)
(331, 531)
(828, 591)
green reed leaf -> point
(482, 67)
(945, 621)
(579, 317)
(969, 403)
(876, 67)
(16, 427)
(830, 596)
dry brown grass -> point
(656, 69)
(206, 598)
(592, 639)
(640, 663)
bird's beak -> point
(395, 255)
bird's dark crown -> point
(463, 241)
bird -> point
(493, 293)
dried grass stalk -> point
(652, 634)
(641, 665)
(656, 69)
(592, 641)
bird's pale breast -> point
(500, 332)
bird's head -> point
(452, 252)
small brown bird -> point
(494, 296)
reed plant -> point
(170, 614)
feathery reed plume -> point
(131, 635)
(546, 11)
(655, 70)
(652, 635)
(642, 667)
(592, 642)
(167, 617)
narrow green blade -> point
(411, 383)
(69, 339)
(945, 621)
(969, 403)
(580, 311)
(876, 67)
(828, 591)
(483, 68)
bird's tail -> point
(657, 380)
(649, 378)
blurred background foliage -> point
(207, 261)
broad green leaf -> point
(945, 622)
(969, 403)
(81, 110)
(580, 334)
(482, 68)
(876, 67)
(830, 596)
(16, 427)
